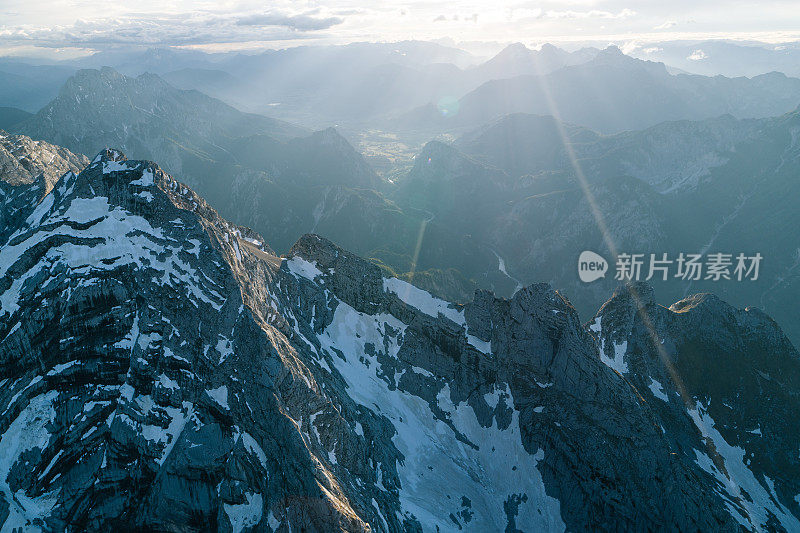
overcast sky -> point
(69, 27)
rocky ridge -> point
(23, 160)
(163, 369)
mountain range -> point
(502, 206)
(611, 93)
(413, 87)
(255, 174)
(357, 83)
(728, 58)
(164, 369)
(719, 185)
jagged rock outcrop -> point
(162, 369)
(23, 160)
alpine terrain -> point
(162, 369)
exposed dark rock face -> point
(161, 369)
(737, 376)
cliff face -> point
(162, 369)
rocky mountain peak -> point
(331, 135)
(106, 74)
(328, 256)
(639, 294)
(443, 161)
(109, 155)
(612, 51)
(145, 116)
(334, 157)
(23, 160)
(517, 59)
(612, 56)
(514, 50)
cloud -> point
(628, 48)
(594, 13)
(697, 55)
(171, 30)
(250, 24)
(631, 47)
(526, 13)
(466, 18)
(346, 12)
(296, 22)
(666, 25)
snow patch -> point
(146, 180)
(225, 349)
(658, 390)
(27, 432)
(114, 166)
(437, 465)
(252, 446)
(423, 301)
(618, 361)
(167, 383)
(493, 398)
(305, 269)
(220, 396)
(61, 367)
(749, 501)
(245, 515)
(421, 371)
(273, 522)
(484, 347)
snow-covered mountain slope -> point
(736, 375)
(28, 170)
(161, 369)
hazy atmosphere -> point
(399, 267)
